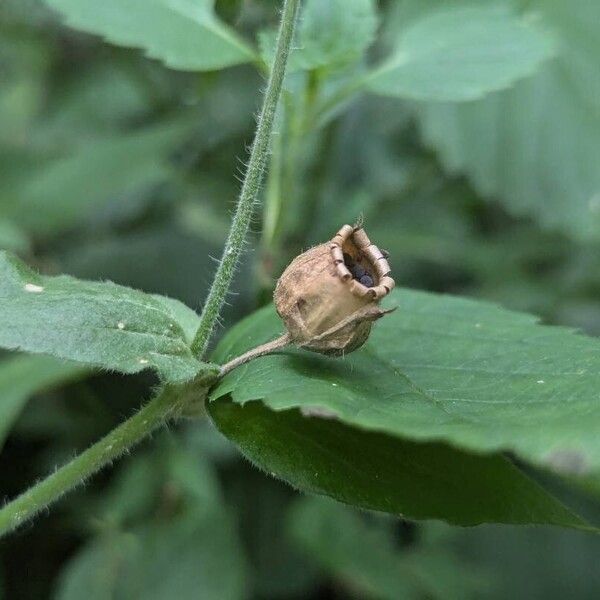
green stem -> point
(268, 348)
(338, 98)
(274, 193)
(251, 185)
(102, 453)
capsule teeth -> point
(383, 268)
(350, 263)
(373, 253)
(388, 283)
(361, 239)
(344, 233)
(343, 271)
(358, 289)
(338, 255)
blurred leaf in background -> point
(461, 53)
(23, 376)
(362, 552)
(536, 146)
(183, 34)
(188, 547)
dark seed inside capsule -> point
(358, 271)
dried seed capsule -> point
(323, 308)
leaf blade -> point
(66, 190)
(534, 147)
(377, 566)
(183, 34)
(379, 472)
(336, 32)
(100, 324)
(512, 374)
(461, 53)
(23, 376)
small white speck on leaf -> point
(143, 361)
(318, 412)
(33, 288)
(532, 17)
(541, 381)
(568, 461)
(478, 325)
(121, 325)
(594, 202)
(334, 384)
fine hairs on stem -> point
(251, 185)
(164, 405)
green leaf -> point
(336, 32)
(186, 558)
(535, 147)
(144, 260)
(23, 376)
(549, 563)
(443, 368)
(190, 558)
(280, 568)
(184, 34)
(94, 102)
(380, 472)
(377, 566)
(461, 53)
(331, 35)
(12, 237)
(133, 491)
(100, 324)
(190, 550)
(63, 192)
(136, 492)
(93, 571)
(229, 10)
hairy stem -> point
(251, 185)
(268, 348)
(102, 453)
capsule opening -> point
(360, 263)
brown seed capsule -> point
(324, 307)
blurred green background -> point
(113, 167)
